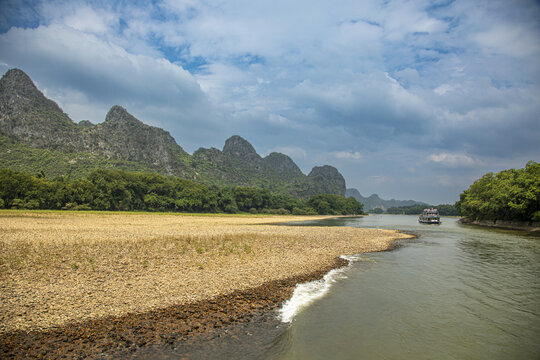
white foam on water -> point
(304, 294)
(350, 258)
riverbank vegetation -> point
(509, 195)
(444, 209)
(132, 191)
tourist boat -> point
(430, 216)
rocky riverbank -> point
(102, 284)
(112, 337)
(528, 226)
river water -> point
(455, 292)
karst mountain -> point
(36, 136)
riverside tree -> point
(126, 191)
(511, 195)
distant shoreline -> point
(108, 283)
(527, 226)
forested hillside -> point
(128, 191)
(444, 209)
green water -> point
(456, 292)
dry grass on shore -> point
(59, 267)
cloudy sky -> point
(408, 99)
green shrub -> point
(82, 207)
(278, 211)
(32, 204)
(536, 217)
(17, 204)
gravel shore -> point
(94, 284)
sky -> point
(408, 99)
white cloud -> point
(509, 39)
(401, 18)
(443, 89)
(95, 64)
(87, 19)
(453, 160)
(282, 121)
(348, 155)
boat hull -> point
(429, 221)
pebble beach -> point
(94, 284)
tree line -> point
(511, 195)
(444, 209)
(117, 190)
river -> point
(455, 292)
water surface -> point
(456, 292)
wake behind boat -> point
(430, 216)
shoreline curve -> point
(172, 324)
(118, 336)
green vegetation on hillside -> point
(37, 136)
(444, 209)
(121, 190)
(510, 195)
(22, 157)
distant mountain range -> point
(374, 201)
(36, 136)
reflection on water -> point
(457, 293)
